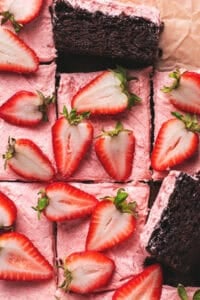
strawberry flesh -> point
(105, 94)
(8, 212)
(25, 108)
(65, 202)
(20, 260)
(71, 142)
(111, 222)
(184, 93)
(16, 56)
(18, 13)
(115, 150)
(87, 271)
(174, 144)
(27, 160)
(146, 285)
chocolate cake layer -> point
(128, 40)
(175, 241)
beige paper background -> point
(180, 40)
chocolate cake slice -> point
(105, 33)
(172, 232)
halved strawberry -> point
(112, 222)
(105, 94)
(26, 159)
(8, 212)
(19, 13)
(146, 285)
(115, 150)
(60, 201)
(20, 259)
(87, 271)
(16, 56)
(72, 137)
(26, 108)
(184, 93)
(177, 141)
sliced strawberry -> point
(146, 285)
(115, 150)
(177, 141)
(20, 259)
(105, 94)
(112, 222)
(61, 201)
(87, 271)
(26, 159)
(26, 108)
(72, 137)
(16, 56)
(184, 93)
(19, 13)
(8, 212)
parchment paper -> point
(180, 40)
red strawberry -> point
(87, 271)
(146, 285)
(20, 259)
(115, 150)
(16, 56)
(19, 13)
(184, 93)
(26, 108)
(177, 141)
(72, 137)
(8, 212)
(112, 222)
(26, 159)
(105, 94)
(61, 201)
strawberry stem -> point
(10, 151)
(122, 205)
(43, 202)
(46, 101)
(182, 292)
(191, 122)
(73, 117)
(115, 132)
(121, 74)
(176, 75)
(7, 16)
(68, 279)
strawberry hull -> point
(76, 231)
(41, 235)
(44, 81)
(163, 109)
(137, 119)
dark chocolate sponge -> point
(103, 39)
(175, 242)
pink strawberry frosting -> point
(136, 119)
(129, 255)
(163, 109)
(44, 81)
(117, 7)
(38, 34)
(40, 232)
